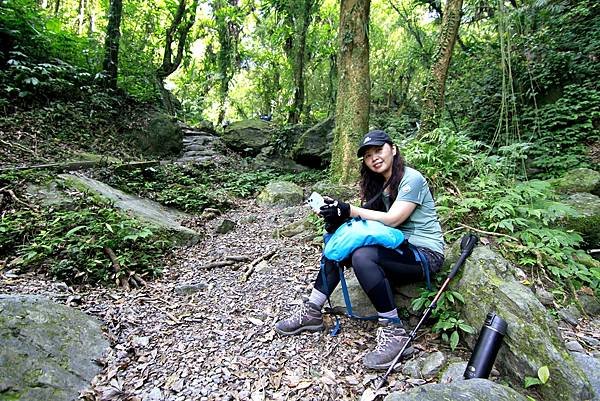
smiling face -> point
(379, 159)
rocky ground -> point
(205, 332)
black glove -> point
(335, 211)
(331, 226)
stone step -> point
(198, 159)
(199, 140)
(197, 153)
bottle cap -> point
(496, 323)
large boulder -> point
(337, 191)
(163, 136)
(248, 136)
(588, 220)
(281, 193)
(143, 209)
(313, 148)
(466, 390)
(47, 350)
(578, 180)
(362, 306)
(488, 284)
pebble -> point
(574, 346)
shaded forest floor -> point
(204, 334)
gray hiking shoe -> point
(307, 317)
(390, 339)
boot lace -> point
(385, 337)
(300, 313)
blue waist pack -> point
(358, 232)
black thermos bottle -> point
(485, 351)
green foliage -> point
(475, 188)
(543, 375)
(562, 130)
(544, 91)
(193, 188)
(69, 242)
(445, 314)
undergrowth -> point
(194, 187)
(69, 240)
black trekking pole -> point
(467, 244)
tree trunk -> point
(43, 4)
(176, 33)
(331, 87)
(228, 33)
(80, 17)
(111, 44)
(92, 17)
(354, 89)
(299, 59)
(56, 8)
(433, 97)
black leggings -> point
(375, 267)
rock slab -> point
(143, 209)
(47, 350)
(466, 390)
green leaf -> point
(531, 381)
(454, 340)
(544, 374)
(73, 231)
(109, 228)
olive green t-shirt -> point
(422, 228)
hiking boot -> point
(390, 339)
(307, 317)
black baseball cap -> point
(373, 138)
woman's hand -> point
(335, 210)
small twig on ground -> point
(14, 197)
(250, 269)
(121, 281)
(219, 263)
(238, 258)
(16, 145)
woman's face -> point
(379, 159)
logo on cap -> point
(367, 139)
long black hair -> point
(373, 184)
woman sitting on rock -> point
(397, 196)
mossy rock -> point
(474, 389)
(248, 136)
(47, 350)
(313, 148)
(281, 193)
(588, 221)
(345, 193)
(578, 180)
(488, 284)
(163, 137)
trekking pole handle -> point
(467, 244)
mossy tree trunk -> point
(301, 21)
(111, 44)
(228, 32)
(433, 97)
(354, 89)
(176, 33)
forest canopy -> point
(522, 72)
